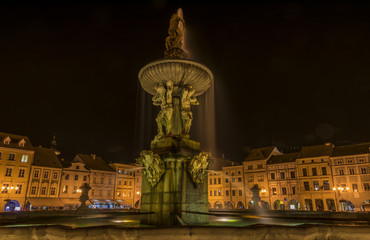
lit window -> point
(18, 189)
(65, 189)
(219, 192)
(355, 187)
(316, 185)
(5, 188)
(326, 185)
(74, 189)
(274, 191)
(118, 194)
(24, 158)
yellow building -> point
(215, 189)
(315, 178)
(44, 181)
(16, 156)
(351, 175)
(255, 174)
(102, 181)
(283, 182)
(138, 177)
(125, 184)
(233, 185)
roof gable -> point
(94, 162)
(46, 157)
(261, 153)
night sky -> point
(289, 73)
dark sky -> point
(287, 73)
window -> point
(232, 173)
(43, 190)
(326, 185)
(323, 170)
(125, 183)
(8, 172)
(55, 175)
(314, 172)
(65, 189)
(227, 173)
(129, 193)
(355, 187)
(219, 192)
(36, 173)
(292, 174)
(312, 160)
(302, 161)
(273, 176)
(250, 178)
(102, 181)
(250, 167)
(351, 171)
(339, 162)
(304, 171)
(233, 192)
(5, 188)
(282, 175)
(74, 189)
(94, 180)
(233, 179)
(293, 190)
(274, 191)
(67, 177)
(11, 156)
(33, 190)
(306, 186)
(227, 192)
(260, 178)
(118, 194)
(119, 182)
(76, 177)
(366, 187)
(85, 178)
(238, 172)
(283, 190)
(215, 193)
(18, 189)
(1, 154)
(210, 181)
(21, 172)
(219, 180)
(226, 180)
(360, 160)
(214, 181)
(46, 174)
(341, 171)
(77, 167)
(210, 192)
(52, 191)
(349, 161)
(259, 166)
(110, 182)
(240, 193)
(239, 179)
(24, 158)
(363, 170)
(316, 186)
(129, 183)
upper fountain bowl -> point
(181, 72)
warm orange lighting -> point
(334, 189)
(137, 192)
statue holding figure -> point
(198, 166)
(174, 42)
(163, 98)
(153, 166)
(187, 99)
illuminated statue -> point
(153, 166)
(187, 99)
(163, 98)
(198, 166)
(174, 42)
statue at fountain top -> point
(174, 42)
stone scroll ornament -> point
(153, 166)
(198, 166)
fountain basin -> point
(180, 71)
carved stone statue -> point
(153, 166)
(198, 166)
(85, 188)
(187, 99)
(174, 41)
(163, 98)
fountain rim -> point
(178, 60)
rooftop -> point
(46, 157)
(260, 153)
(284, 158)
(14, 141)
(94, 162)
(355, 149)
(316, 151)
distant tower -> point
(54, 146)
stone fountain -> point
(175, 184)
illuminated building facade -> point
(124, 191)
(315, 179)
(215, 189)
(16, 156)
(44, 180)
(234, 196)
(255, 173)
(283, 182)
(138, 176)
(351, 175)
